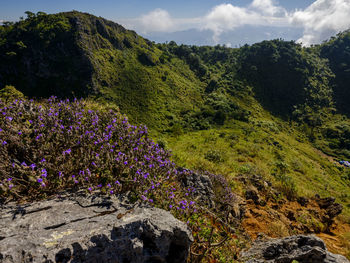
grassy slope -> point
(274, 149)
(149, 92)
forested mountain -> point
(337, 51)
(77, 54)
(274, 110)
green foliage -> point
(9, 93)
(214, 156)
(336, 50)
(287, 186)
(285, 76)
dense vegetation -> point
(53, 146)
(273, 109)
(337, 51)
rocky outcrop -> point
(201, 185)
(330, 210)
(303, 249)
(90, 229)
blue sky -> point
(202, 22)
(116, 9)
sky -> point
(207, 22)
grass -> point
(266, 146)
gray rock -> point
(304, 249)
(90, 229)
(202, 185)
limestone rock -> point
(90, 229)
(202, 185)
(304, 249)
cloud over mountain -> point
(322, 19)
(319, 21)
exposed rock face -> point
(304, 249)
(90, 229)
(202, 185)
(331, 209)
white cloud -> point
(322, 19)
(227, 17)
(268, 7)
(319, 21)
(157, 20)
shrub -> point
(55, 146)
(9, 93)
(63, 145)
(214, 156)
(287, 186)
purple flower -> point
(67, 151)
(39, 180)
(43, 172)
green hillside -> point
(274, 109)
(76, 54)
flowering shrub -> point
(62, 145)
(57, 145)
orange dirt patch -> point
(290, 218)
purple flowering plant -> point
(71, 145)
